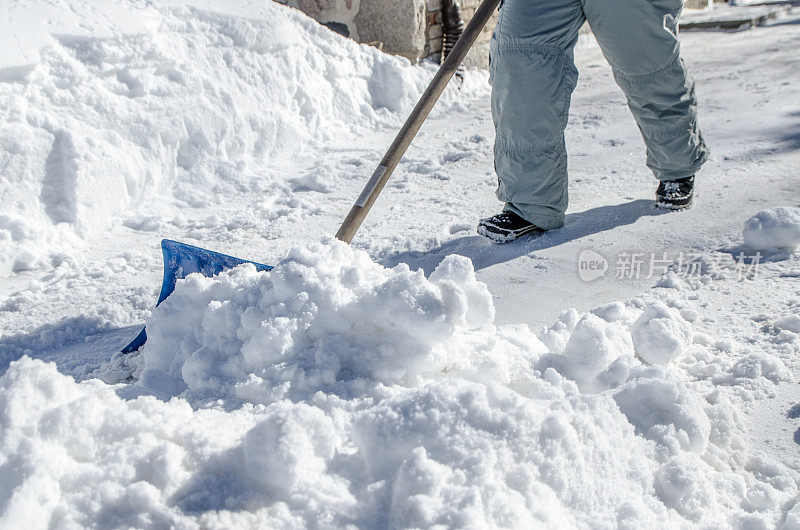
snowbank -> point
(132, 113)
(334, 391)
(773, 229)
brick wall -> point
(433, 30)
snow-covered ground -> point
(517, 388)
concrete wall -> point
(399, 24)
(411, 28)
(335, 12)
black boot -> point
(675, 194)
(506, 227)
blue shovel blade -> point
(181, 260)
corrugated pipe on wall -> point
(453, 24)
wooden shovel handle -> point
(426, 102)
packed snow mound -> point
(187, 108)
(773, 229)
(334, 391)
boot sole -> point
(672, 206)
(501, 239)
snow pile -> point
(325, 317)
(187, 109)
(332, 391)
(773, 229)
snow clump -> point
(773, 229)
(593, 346)
(660, 334)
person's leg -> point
(533, 76)
(639, 40)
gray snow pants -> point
(533, 76)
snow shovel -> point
(181, 259)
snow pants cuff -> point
(543, 217)
(532, 181)
(664, 105)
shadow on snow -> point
(485, 254)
